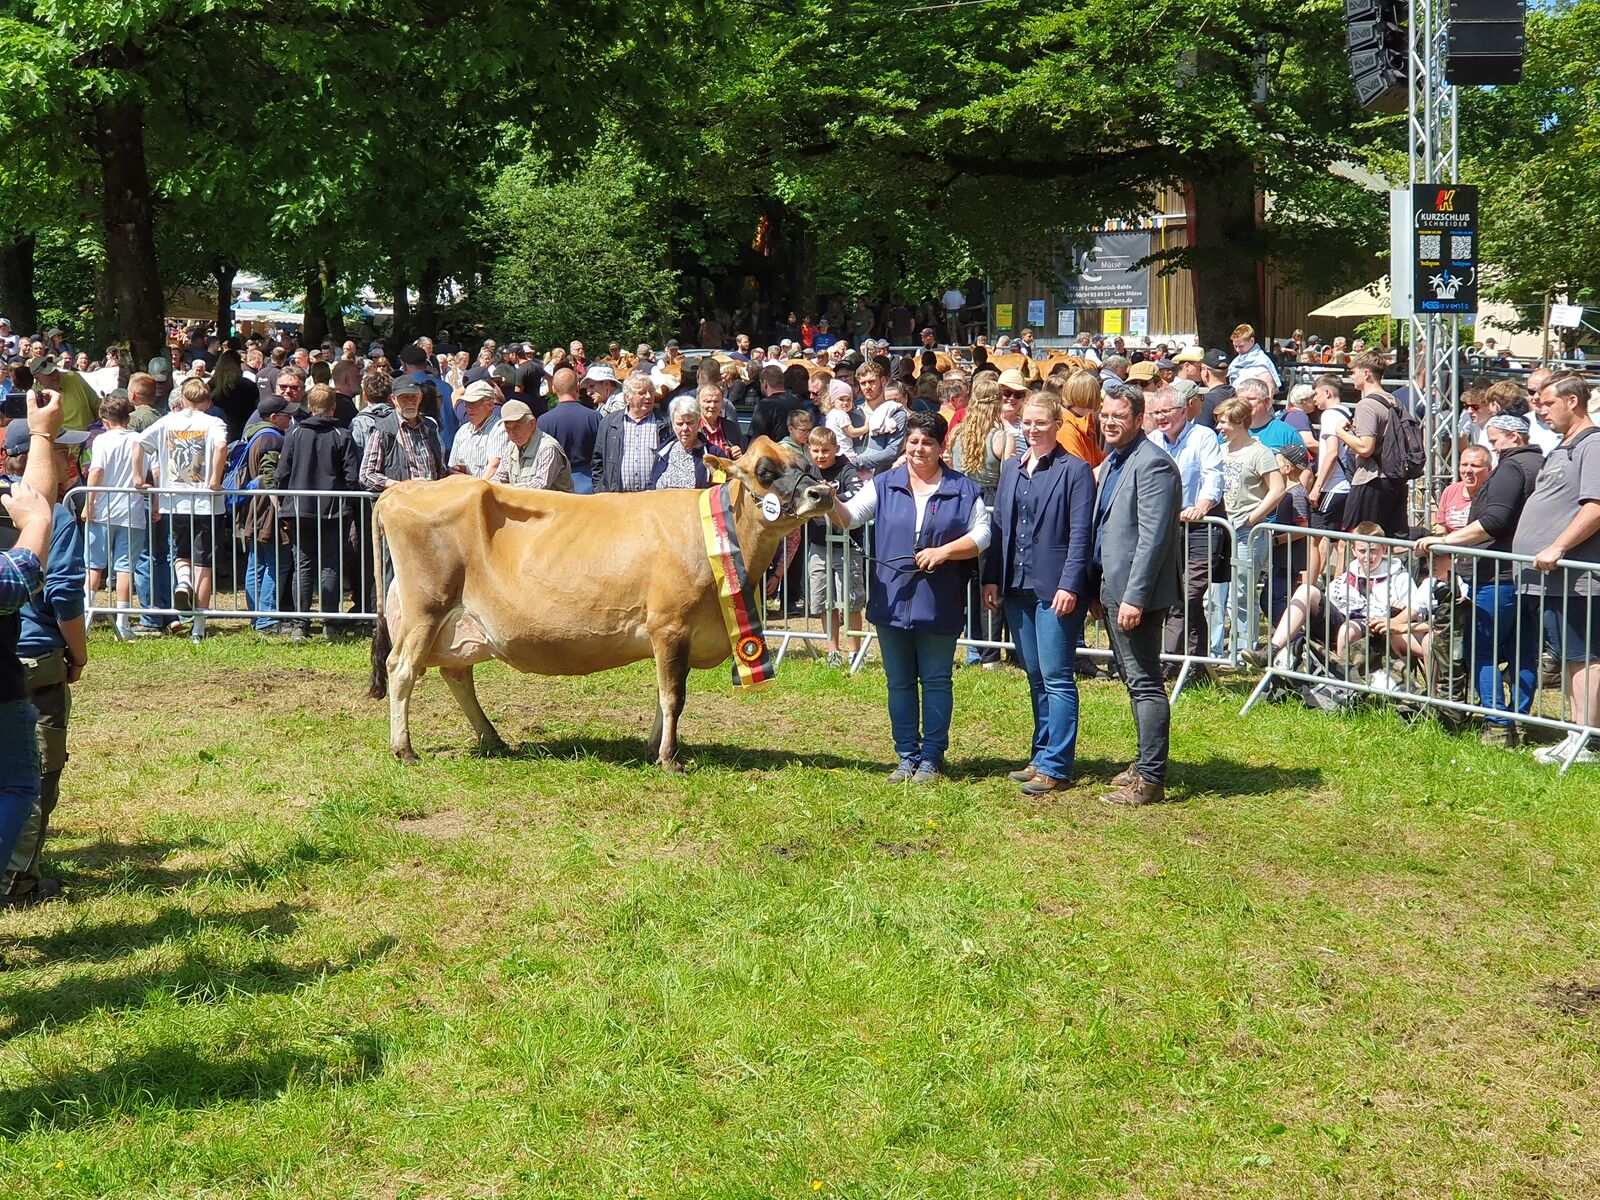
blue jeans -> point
(582, 483)
(1048, 647)
(152, 573)
(19, 772)
(1499, 636)
(265, 580)
(918, 667)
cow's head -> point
(767, 469)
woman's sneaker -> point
(1554, 756)
(927, 772)
(904, 772)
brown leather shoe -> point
(1137, 794)
(1124, 777)
(1040, 784)
(1023, 775)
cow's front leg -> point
(672, 677)
(459, 680)
(405, 668)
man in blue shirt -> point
(1198, 455)
(53, 648)
(1265, 428)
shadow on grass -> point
(131, 866)
(630, 752)
(180, 1076)
(89, 941)
(203, 977)
(1229, 777)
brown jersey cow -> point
(557, 584)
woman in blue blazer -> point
(1038, 564)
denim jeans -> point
(19, 772)
(1048, 647)
(918, 668)
(1504, 631)
(318, 570)
(582, 483)
(266, 581)
(152, 573)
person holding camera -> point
(25, 537)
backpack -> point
(1347, 456)
(237, 464)
(1401, 453)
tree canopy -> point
(595, 170)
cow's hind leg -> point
(406, 666)
(672, 677)
(461, 687)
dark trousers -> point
(1137, 653)
(318, 556)
(1188, 632)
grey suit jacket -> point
(1141, 538)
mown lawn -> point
(1354, 962)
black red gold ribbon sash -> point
(741, 610)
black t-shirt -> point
(1209, 402)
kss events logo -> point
(1446, 201)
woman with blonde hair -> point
(1080, 433)
(978, 449)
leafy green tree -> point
(1535, 151)
(582, 253)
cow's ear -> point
(724, 465)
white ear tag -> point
(770, 507)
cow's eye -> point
(769, 472)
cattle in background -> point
(557, 584)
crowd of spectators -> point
(181, 448)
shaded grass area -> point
(1358, 959)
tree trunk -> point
(1226, 248)
(330, 292)
(402, 307)
(16, 284)
(223, 274)
(428, 298)
(315, 326)
(128, 217)
(802, 266)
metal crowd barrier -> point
(1471, 642)
(313, 566)
(1193, 641)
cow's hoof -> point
(407, 757)
(674, 766)
(493, 748)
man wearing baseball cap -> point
(1214, 385)
(80, 406)
(525, 457)
(404, 444)
(53, 647)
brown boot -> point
(1022, 776)
(1040, 784)
(1124, 777)
(1137, 793)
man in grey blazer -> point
(1138, 560)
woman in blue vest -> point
(931, 523)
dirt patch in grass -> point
(445, 825)
(1571, 999)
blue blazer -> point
(1063, 541)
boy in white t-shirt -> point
(191, 448)
(116, 520)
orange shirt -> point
(1080, 437)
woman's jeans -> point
(1504, 633)
(1048, 647)
(918, 668)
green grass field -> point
(1356, 961)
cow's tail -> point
(378, 688)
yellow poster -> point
(1002, 316)
(1113, 321)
